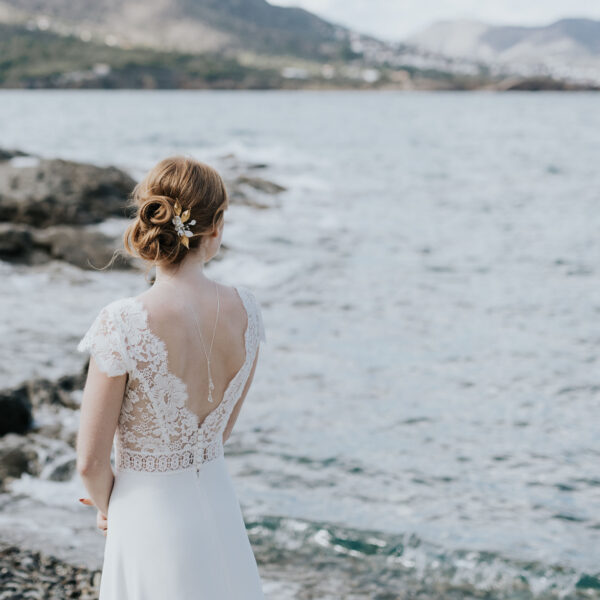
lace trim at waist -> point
(130, 460)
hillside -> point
(569, 48)
(251, 44)
(42, 59)
(190, 26)
(34, 58)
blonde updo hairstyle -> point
(198, 187)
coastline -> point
(501, 85)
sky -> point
(394, 20)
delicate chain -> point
(211, 386)
(208, 354)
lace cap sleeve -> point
(105, 343)
(257, 327)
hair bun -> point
(156, 210)
(201, 193)
(152, 234)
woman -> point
(168, 372)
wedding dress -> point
(175, 526)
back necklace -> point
(208, 354)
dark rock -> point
(79, 246)
(43, 391)
(6, 154)
(16, 403)
(57, 192)
(17, 456)
(243, 187)
(70, 383)
(63, 470)
(235, 164)
(260, 184)
(17, 245)
(542, 83)
(15, 411)
(253, 191)
(16, 241)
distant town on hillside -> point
(227, 44)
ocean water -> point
(425, 415)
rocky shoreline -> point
(54, 209)
(34, 575)
(28, 445)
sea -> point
(424, 421)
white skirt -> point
(178, 536)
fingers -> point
(102, 522)
(101, 519)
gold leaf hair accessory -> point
(179, 220)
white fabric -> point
(175, 527)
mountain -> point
(252, 44)
(229, 26)
(569, 48)
(202, 43)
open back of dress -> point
(157, 430)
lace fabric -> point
(157, 431)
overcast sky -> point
(395, 19)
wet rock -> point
(17, 456)
(16, 403)
(244, 187)
(44, 391)
(233, 163)
(253, 191)
(43, 192)
(63, 470)
(260, 184)
(70, 383)
(81, 247)
(6, 154)
(15, 411)
(16, 243)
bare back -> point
(169, 318)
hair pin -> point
(179, 220)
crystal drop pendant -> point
(211, 387)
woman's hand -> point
(101, 520)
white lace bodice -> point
(157, 431)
